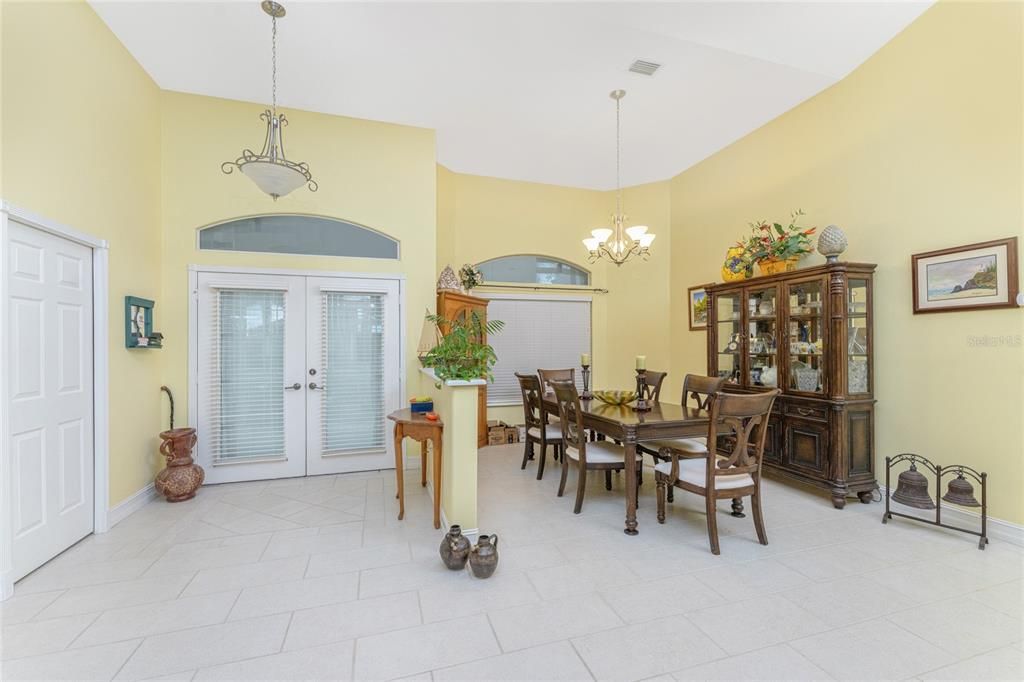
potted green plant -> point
(462, 354)
(776, 248)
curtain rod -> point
(541, 288)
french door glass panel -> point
(251, 356)
(354, 353)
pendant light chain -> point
(273, 66)
(618, 154)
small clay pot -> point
(182, 477)
(484, 557)
(455, 549)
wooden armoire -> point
(452, 305)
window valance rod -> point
(543, 287)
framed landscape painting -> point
(698, 308)
(968, 277)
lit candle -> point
(585, 359)
(641, 362)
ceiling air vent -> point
(645, 68)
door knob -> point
(313, 386)
(294, 387)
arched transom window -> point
(298, 234)
(530, 269)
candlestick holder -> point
(586, 395)
(642, 403)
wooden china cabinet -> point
(808, 332)
(452, 305)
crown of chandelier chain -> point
(618, 155)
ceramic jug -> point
(484, 557)
(455, 549)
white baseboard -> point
(125, 508)
(471, 533)
(998, 529)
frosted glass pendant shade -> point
(646, 240)
(591, 243)
(274, 179)
(636, 231)
(601, 234)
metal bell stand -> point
(960, 470)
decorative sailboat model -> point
(429, 338)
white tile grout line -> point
(128, 658)
(580, 656)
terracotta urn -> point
(182, 477)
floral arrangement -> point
(470, 276)
(775, 242)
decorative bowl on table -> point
(615, 397)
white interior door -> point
(50, 370)
(353, 354)
(250, 382)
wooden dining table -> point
(630, 427)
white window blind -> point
(246, 403)
(538, 334)
(353, 418)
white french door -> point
(50, 379)
(295, 375)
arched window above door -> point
(532, 269)
(298, 234)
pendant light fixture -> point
(270, 170)
(618, 243)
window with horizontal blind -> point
(539, 333)
(246, 403)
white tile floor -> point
(316, 579)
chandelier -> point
(618, 243)
(270, 170)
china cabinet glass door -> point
(806, 335)
(763, 337)
(728, 318)
(857, 337)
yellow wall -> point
(81, 145)
(375, 174)
(918, 149)
(481, 218)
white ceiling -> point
(520, 90)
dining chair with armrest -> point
(714, 476)
(538, 430)
(578, 453)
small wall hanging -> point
(138, 324)
(968, 277)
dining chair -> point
(549, 375)
(538, 430)
(578, 453)
(714, 476)
(698, 391)
(653, 382)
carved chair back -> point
(745, 418)
(533, 409)
(701, 389)
(571, 417)
(653, 381)
(549, 375)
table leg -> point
(437, 481)
(630, 447)
(399, 472)
(423, 463)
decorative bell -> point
(912, 489)
(960, 491)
